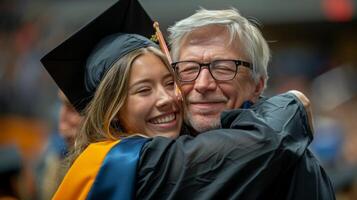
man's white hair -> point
(240, 30)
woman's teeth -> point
(163, 119)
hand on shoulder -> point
(306, 103)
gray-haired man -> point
(221, 59)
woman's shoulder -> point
(100, 166)
(80, 177)
(98, 148)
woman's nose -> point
(165, 98)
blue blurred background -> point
(314, 50)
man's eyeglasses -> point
(221, 70)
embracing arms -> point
(246, 158)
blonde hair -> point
(240, 29)
(100, 116)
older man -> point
(221, 63)
(221, 59)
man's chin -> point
(204, 123)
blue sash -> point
(116, 177)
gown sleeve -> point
(255, 152)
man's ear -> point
(259, 87)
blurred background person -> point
(69, 120)
(52, 165)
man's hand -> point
(307, 104)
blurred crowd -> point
(318, 58)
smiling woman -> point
(149, 106)
(132, 91)
(123, 86)
(136, 95)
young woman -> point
(133, 94)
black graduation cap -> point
(67, 62)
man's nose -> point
(205, 82)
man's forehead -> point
(206, 35)
(211, 42)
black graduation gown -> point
(258, 153)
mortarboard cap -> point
(104, 40)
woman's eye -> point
(170, 84)
(143, 91)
